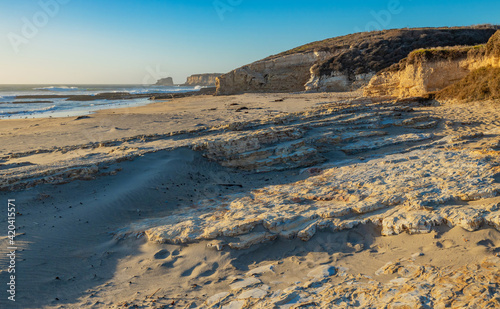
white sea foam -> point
(38, 110)
(7, 97)
(63, 107)
(59, 88)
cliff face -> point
(343, 63)
(165, 82)
(281, 74)
(432, 70)
(202, 79)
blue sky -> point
(125, 41)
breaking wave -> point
(59, 88)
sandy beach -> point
(256, 201)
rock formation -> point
(168, 81)
(342, 63)
(286, 73)
(430, 70)
(418, 286)
(423, 179)
(207, 79)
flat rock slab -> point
(404, 192)
(237, 304)
(245, 283)
(216, 298)
(254, 293)
(261, 270)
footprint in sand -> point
(446, 244)
(206, 270)
(162, 254)
(170, 264)
(189, 271)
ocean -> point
(14, 107)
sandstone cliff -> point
(165, 82)
(280, 74)
(342, 63)
(430, 70)
(202, 79)
(480, 84)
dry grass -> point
(438, 53)
(449, 53)
(479, 85)
(493, 45)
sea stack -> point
(168, 81)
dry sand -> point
(83, 186)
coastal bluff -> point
(343, 63)
(207, 79)
(430, 70)
(168, 81)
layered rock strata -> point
(207, 79)
(395, 173)
(410, 192)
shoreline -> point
(120, 95)
(71, 105)
(116, 134)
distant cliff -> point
(165, 82)
(207, 79)
(343, 63)
(431, 70)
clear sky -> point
(137, 41)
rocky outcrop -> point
(407, 192)
(282, 74)
(337, 81)
(417, 285)
(165, 82)
(430, 70)
(421, 180)
(202, 79)
(343, 63)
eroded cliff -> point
(431, 70)
(207, 79)
(168, 81)
(342, 63)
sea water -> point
(10, 108)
